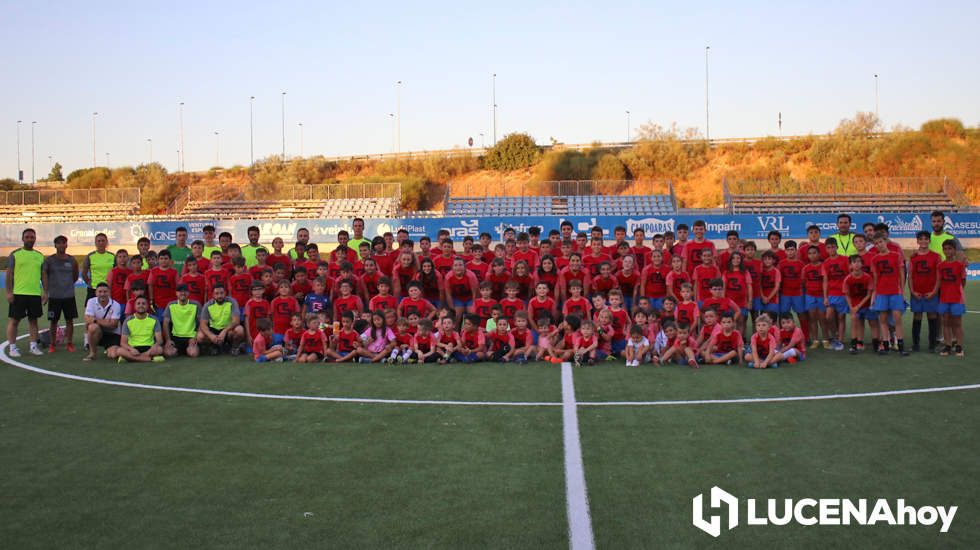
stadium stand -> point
(55, 213)
(894, 195)
(289, 201)
(586, 205)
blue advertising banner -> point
(973, 272)
(161, 233)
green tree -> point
(513, 152)
(55, 174)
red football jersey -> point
(164, 283)
(813, 278)
(283, 309)
(196, 287)
(737, 284)
(888, 269)
(923, 271)
(240, 287)
(951, 278)
(836, 269)
(655, 281)
(511, 306)
(704, 274)
(791, 275)
(724, 343)
(255, 310)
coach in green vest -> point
(26, 284)
(141, 340)
(96, 265)
(939, 234)
(220, 325)
(248, 251)
(180, 319)
(844, 237)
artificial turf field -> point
(95, 465)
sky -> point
(567, 71)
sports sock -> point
(916, 329)
(875, 343)
(933, 332)
(805, 327)
(901, 343)
(854, 342)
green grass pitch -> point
(94, 465)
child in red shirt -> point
(952, 303)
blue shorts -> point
(771, 307)
(628, 302)
(262, 359)
(466, 357)
(839, 303)
(657, 304)
(600, 355)
(926, 305)
(618, 346)
(462, 303)
(796, 303)
(278, 339)
(867, 314)
(815, 302)
(889, 302)
(956, 310)
(745, 312)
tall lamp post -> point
(251, 131)
(707, 118)
(628, 128)
(300, 124)
(149, 143)
(33, 154)
(20, 173)
(180, 150)
(284, 126)
(94, 114)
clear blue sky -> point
(568, 71)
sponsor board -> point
(973, 272)
(791, 226)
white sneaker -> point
(34, 350)
(13, 351)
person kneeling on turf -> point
(220, 326)
(764, 350)
(102, 319)
(180, 321)
(141, 339)
(261, 350)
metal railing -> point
(130, 195)
(837, 186)
(564, 188)
(481, 151)
(258, 192)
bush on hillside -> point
(513, 152)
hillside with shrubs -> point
(858, 148)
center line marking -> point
(579, 520)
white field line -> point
(579, 520)
(13, 362)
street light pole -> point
(107, 159)
(180, 149)
(398, 119)
(50, 164)
(628, 132)
(33, 154)
(493, 104)
(251, 131)
(392, 117)
(149, 141)
(483, 145)
(94, 114)
(707, 118)
(284, 126)
(876, 95)
(217, 148)
(20, 175)
(300, 124)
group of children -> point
(568, 298)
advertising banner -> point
(750, 226)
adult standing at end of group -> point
(179, 251)
(939, 234)
(26, 292)
(102, 318)
(357, 226)
(61, 271)
(844, 237)
(302, 236)
(96, 265)
(248, 251)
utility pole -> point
(20, 173)
(180, 151)
(33, 154)
(251, 131)
(398, 121)
(217, 148)
(876, 95)
(493, 103)
(628, 128)
(95, 114)
(149, 142)
(284, 126)
(300, 124)
(707, 118)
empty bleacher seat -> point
(549, 205)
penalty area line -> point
(579, 519)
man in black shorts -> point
(26, 292)
(61, 271)
(102, 317)
(180, 319)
